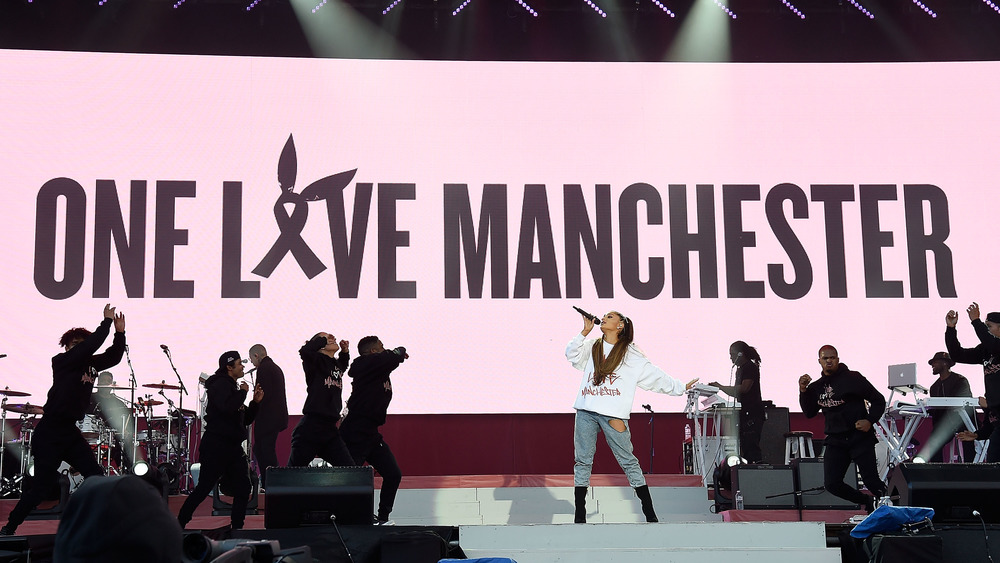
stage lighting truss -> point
(596, 8)
(924, 7)
(794, 10)
(725, 9)
(461, 7)
(252, 5)
(993, 5)
(862, 9)
(527, 7)
(665, 9)
(178, 3)
(391, 6)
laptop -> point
(902, 375)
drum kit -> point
(122, 438)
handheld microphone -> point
(648, 408)
(164, 348)
(597, 320)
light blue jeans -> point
(588, 424)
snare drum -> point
(150, 436)
(91, 427)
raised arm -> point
(955, 350)
(807, 397)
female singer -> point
(612, 369)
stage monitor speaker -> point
(772, 435)
(298, 496)
(953, 490)
(764, 486)
(810, 481)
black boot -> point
(647, 503)
(580, 495)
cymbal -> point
(26, 408)
(116, 387)
(11, 393)
(161, 386)
(148, 402)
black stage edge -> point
(363, 541)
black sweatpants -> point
(366, 445)
(841, 450)
(53, 442)
(317, 436)
(220, 458)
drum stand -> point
(8, 486)
(5, 484)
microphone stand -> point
(651, 428)
(253, 461)
(134, 415)
(184, 465)
(798, 496)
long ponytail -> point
(603, 367)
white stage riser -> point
(545, 505)
(688, 555)
(745, 542)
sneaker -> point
(385, 523)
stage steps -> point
(544, 505)
(693, 542)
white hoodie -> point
(615, 395)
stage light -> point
(253, 5)
(178, 3)
(863, 10)
(664, 8)
(734, 460)
(461, 7)
(140, 468)
(390, 6)
(992, 5)
(725, 9)
(924, 7)
(919, 459)
(596, 8)
(794, 10)
(528, 8)
(318, 6)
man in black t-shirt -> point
(946, 421)
(747, 392)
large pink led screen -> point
(460, 209)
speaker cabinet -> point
(814, 497)
(772, 435)
(301, 496)
(953, 490)
(764, 486)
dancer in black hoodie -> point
(56, 438)
(987, 353)
(221, 452)
(316, 433)
(371, 392)
(848, 423)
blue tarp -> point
(890, 519)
